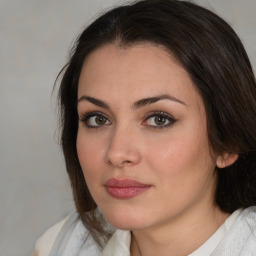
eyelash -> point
(160, 114)
(85, 118)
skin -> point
(174, 158)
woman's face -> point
(142, 141)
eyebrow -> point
(94, 101)
(138, 104)
(151, 100)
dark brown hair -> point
(215, 59)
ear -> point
(226, 159)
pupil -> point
(160, 120)
(100, 120)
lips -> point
(125, 188)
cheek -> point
(90, 154)
(182, 169)
(181, 156)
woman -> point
(158, 107)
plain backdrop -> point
(35, 37)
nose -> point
(123, 149)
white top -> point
(236, 237)
(119, 244)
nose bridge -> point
(123, 148)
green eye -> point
(159, 120)
(95, 120)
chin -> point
(125, 220)
(125, 225)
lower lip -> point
(125, 192)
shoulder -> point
(249, 212)
(45, 243)
(244, 231)
(68, 237)
(240, 240)
(248, 218)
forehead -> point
(134, 72)
(112, 59)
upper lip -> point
(124, 183)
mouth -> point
(125, 188)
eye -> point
(95, 120)
(159, 120)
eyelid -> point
(85, 117)
(89, 114)
(171, 119)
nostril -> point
(127, 162)
(120, 163)
(121, 152)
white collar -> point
(119, 244)
(209, 246)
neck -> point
(181, 237)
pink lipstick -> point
(125, 188)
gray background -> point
(35, 36)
